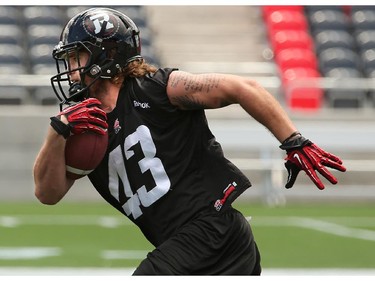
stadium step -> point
(190, 34)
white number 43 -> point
(117, 171)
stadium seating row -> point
(294, 54)
(322, 41)
(308, 42)
(28, 35)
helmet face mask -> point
(110, 39)
(67, 90)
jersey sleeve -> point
(154, 88)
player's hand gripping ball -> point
(82, 117)
(86, 134)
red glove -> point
(83, 116)
(302, 154)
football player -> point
(163, 168)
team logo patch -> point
(101, 25)
(219, 203)
(117, 126)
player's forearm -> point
(263, 107)
(50, 181)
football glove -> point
(304, 155)
(83, 116)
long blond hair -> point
(136, 68)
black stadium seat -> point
(363, 19)
(10, 15)
(343, 72)
(345, 97)
(41, 53)
(368, 62)
(12, 53)
(43, 15)
(344, 40)
(71, 11)
(338, 57)
(314, 8)
(11, 34)
(43, 34)
(328, 19)
(365, 39)
(330, 38)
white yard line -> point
(124, 254)
(28, 253)
(65, 271)
(84, 220)
(335, 229)
(320, 225)
(323, 224)
(33, 253)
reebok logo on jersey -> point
(143, 105)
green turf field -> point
(95, 235)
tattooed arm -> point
(203, 91)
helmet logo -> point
(94, 25)
(98, 21)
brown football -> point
(83, 153)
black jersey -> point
(163, 166)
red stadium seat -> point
(294, 53)
(301, 87)
(294, 73)
(267, 10)
(285, 39)
(296, 57)
(285, 19)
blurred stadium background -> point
(318, 61)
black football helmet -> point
(109, 37)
